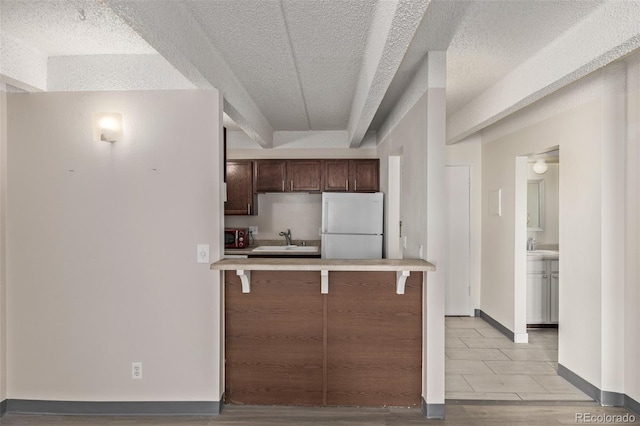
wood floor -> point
(495, 415)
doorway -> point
(542, 247)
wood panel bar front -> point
(287, 344)
(274, 340)
(374, 340)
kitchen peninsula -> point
(324, 331)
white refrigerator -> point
(352, 225)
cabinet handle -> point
(355, 185)
(554, 276)
(283, 185)
(544, 276)
(248, 209)
(291, 186)
(346, 185)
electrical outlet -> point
(253, 230)
(404, 242)
(136, 370)
(202, 253)
(420, 252)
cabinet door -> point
(304, 175)
(270, 176)
(240, 197)
(336, 175)
(364, 175)
(553, 298)
(537, 298)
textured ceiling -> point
(69, 27)
(296, 65)
(494, 37)
(299, 60)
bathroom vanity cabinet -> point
(542, 291)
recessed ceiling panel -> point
(328, 39)
(252, 37)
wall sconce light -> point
(107, 126)
(540, 167)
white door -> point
(458, 284)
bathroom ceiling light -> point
(540, 167)
(107, 126)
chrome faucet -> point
(287, 236)
(531, 244)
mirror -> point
(535, 205)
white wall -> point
(577, 132)
(632, 232)
(419, 139)
(550, 234)
(598, 220)
(324, 140)
(3, 257)
(468, 152)
(101, 247)
(408, 140)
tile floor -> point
(483, 364)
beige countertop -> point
(249, 250)
(292, 264)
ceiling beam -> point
(607, 34)
(433, 35)
(390, 35)
(21, 66)
(174, 32)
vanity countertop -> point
(543, 254)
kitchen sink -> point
(286, 248)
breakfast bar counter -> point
(324, 331)
(402, 267)
(293, 264)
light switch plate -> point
(203, 253)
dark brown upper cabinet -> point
(352, 175)
(288, 176)
(270, 175)
(304, 175)
(241, 199)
